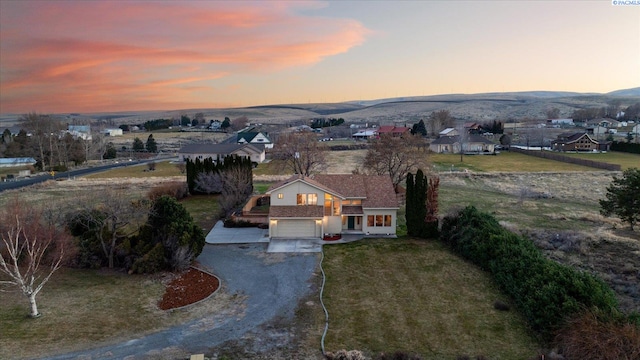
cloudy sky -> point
(95, 56)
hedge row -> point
(545, 292)
(633, 148)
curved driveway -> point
(271, 285)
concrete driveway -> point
(221, 235)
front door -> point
(350, 223)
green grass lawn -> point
(625, 160)
(163, 168)
(503, 162)
(411, 295)
(204, 209)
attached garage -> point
(295, 228)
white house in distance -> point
(202, 151)
(256, 138)
(303, 207)
(112, 132)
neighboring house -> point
(364, 134)
(449, 132)
(560, 122)
(393, 130)
(112, 132)
(80, 131)
(256, 138)
(445, 144)
(598, 131)
(578, 142)
(11, 162)
(471, 144)
(202, 151)
(303, 207)
(472, 127)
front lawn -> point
(416, 296)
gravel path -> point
(265, 287)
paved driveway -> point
(270, 287)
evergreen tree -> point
(419, 128)
(225, 124)
(623, 197)
(138, 145)
(410, 205)
(416, 209)
(151, 146)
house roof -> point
(568, 138)
(471, 138)
(391, 129)
(17, 161)
(296, 211)
(219, 148)
(305, 179)
(447, 131)
(249, 136)
(446, 140)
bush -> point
(598, 335)
(151, 262)
(175, 189)
(345, 355)
(544, 291)
(233, 223)
(398, 355)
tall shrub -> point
(544, 291)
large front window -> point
(307, 199)
(378, 220)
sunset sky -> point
(103, 56)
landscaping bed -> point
(187, 288)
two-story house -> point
(303, 207)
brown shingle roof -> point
(375, 190)
(296, 211)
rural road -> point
(269, 287)
(8, 185)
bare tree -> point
(235, 185)
(438, 121)
(113, 217)
(209, 182)
(396, 157)
(239, 123)
(301, 153)
(42, 128)
(553, 113)
(33, 250)
(463, 139)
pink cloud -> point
(94, 56)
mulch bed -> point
(189, 287)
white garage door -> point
(296, 228)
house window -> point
(307, 199)
(378, 220)
(280, 196)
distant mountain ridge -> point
(469, 107)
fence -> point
(568, 159)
